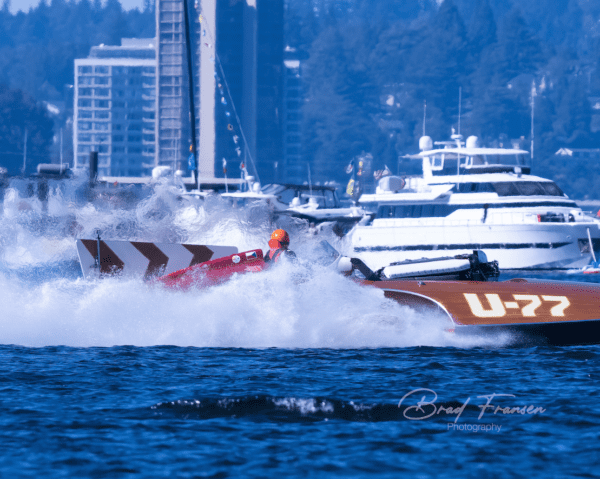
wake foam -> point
(34, 234)
(288, 409)
(286, 307)
(295, 409)
(45, 301)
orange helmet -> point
(279, 238)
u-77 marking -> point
(497, 308)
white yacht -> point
(472, 198)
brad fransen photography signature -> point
(490, 405)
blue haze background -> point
(367, 68)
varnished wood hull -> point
(532, 312)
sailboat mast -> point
(188, 48)
(424, 115)
(533, 93)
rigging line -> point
(237, 118)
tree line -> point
(371, 66)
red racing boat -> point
(554, 313)
(533, 312)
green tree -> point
(574, 115)
(519, 51)
(482, 30)
(341, 101)
(438, 65)
(19, 113)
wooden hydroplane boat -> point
(532, 311)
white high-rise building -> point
(237, 58)
(115, 108)
(294, 168)
(132, 101)
(173, 129)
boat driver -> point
(278, 245)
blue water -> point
(288, 373)
(205, 412)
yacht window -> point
(286, 196)
(551, 189)
(404, 211)
(427, 211)
(441, 210)
(530, 188)
(414, 211)
(506, 189)
(484, 188)
(464, 188)
(329, 199)
(385, 212)
(474, 188)
(437, 162)
(408, 211)
(527, 188)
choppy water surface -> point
(291, 372)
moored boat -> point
(475, 198)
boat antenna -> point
(459, 106)
(533, 95)
(188, 47)
(309, 181)
(61, 151)
(458, 137)
(24, 153)
(424, 115)
(237, 118)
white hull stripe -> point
(135, 258)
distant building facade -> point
(173, 127)
(292, 111)
(241, 76)
(115, 108)
(132, 101)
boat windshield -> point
(511, 188)
(516, 160)
(447, 161)
(527, 188)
